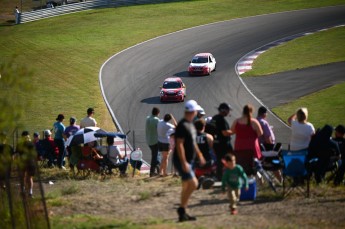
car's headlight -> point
(180, 93)
(162, 92)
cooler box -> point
(251, 193)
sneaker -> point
(63, 167)
(186, 217)
(183, 216)
(234, 211)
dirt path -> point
(144, 199)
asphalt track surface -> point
(131, 79)
(291, 85)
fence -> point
(18, 208)
(80, 6)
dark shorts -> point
(184, 176)
(163, 146)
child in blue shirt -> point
(232, 179)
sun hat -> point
(191, 105)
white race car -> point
(202, 64)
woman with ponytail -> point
(248, 131)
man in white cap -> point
(186, 149)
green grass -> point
(66, 52)
(324, 107)
(72, 189)
(312, 50)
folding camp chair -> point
(295, 172)
(271, 161)
(136, 160)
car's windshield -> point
(171, 85)
(199, 60)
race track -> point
(131, 79)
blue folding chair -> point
(295, 171)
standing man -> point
(222, 140)
(186, 149)
(17, 15)
(59, 130)
(88, 120)
(268, 137)
(152, 140)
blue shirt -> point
(59, 129)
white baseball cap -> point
(191, 105)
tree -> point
(15, 85)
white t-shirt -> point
(162, 131)
(88, 121)
(300, 135)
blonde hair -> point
(302, 114)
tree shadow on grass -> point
(7, 23)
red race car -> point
(173, 89)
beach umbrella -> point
(84, 135)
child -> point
(233, 177)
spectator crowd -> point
(201, 145)
(197, 144)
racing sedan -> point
(202, 64)
(173, 89)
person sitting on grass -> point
(232, 180)
(50, 150)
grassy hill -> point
(65, 53)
